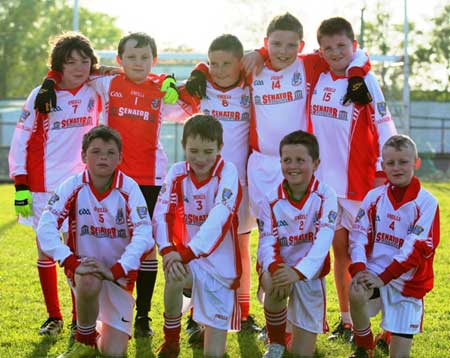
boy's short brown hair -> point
(105, 133)
(64, 44)
(335, 26)
(205, 126)
(401, 141)
(228, 43)
(285, 22)
(142, 40)
(308, 140)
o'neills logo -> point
(389, 240)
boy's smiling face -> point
(283, 47)
(75, 70)
(201, 154)
(337, 50)
(136, 61)
(399, 165)
(297, 165)
(224, 67)
(101, 158)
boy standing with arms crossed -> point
(46, 148)
(392, 247)
(351, 137)
(133, 106)
(297, 221)
(195, 225)
(227, 98)
(110, 230)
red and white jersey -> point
(199, 219)
(136, 112)
(298, 233)
(397, 240)
(350, 137)
(232, 108)
(46, 149)
(278, 106)
(114, 227)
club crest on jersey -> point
(24, 115)
(142, 211)
(206, 112)
(260, 225)
(163, 188)
(257, 99)
(91, 104)
(226, 194)
(84, 230)
(56, 125)
(360, 215)
(297, 79)
(381, 106)
(120, 219)
(245, 116)
(332, 215)
(417, 230)
(245, 100)
(155, 103)
(53, 199)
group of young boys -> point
(295, 143)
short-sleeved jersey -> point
(199, 219)
(278, 105)
(114, 227)
(231, 107)
(136, 111)
(298, 233)
(350, 137)
(46, 149)
(397, 240)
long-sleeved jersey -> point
(46, 149)
(351, 137)
(199, 219)
(298, 233)
(114, 227)
(397, 240)
(136, 111)
(231, 107)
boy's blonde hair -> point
(400, 141)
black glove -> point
(196, 84)
(357, 92)
(46, 97)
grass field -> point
(22, 309)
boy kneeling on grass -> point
(195, 222)
(392, 247)
(109, 231)
(296, 224)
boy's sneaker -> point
(73, 331)
(197, 336)
(142, 327)
(169, 350)
(80, 350)
(262, 336)
(191, 326)
(362, 353)
(51, 327)
(249, 325)
(382, 341)
(342, 331)
(274, 350)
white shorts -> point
(115, 307)
(400, 314)
(215, 305)
(247, 222)
(40, 201)
(347, 211)
(264, 174)
(307, 305)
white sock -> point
(346, 318)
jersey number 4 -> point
(392, 225)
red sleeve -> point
(117, 271)
(21, 180)
(356, 267)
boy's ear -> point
(301, 45)
(266, 42)
(417, 164)
(119, 60)
(83, 156)
(316, 164)
(155, 59)
(354, 45)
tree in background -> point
(25, 29)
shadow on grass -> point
(7, 225)
(144, 347)
(248, 346)
(41, 348)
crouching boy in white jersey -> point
(195, 223)
(392, 247)
(297, 222)
(110, 230)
